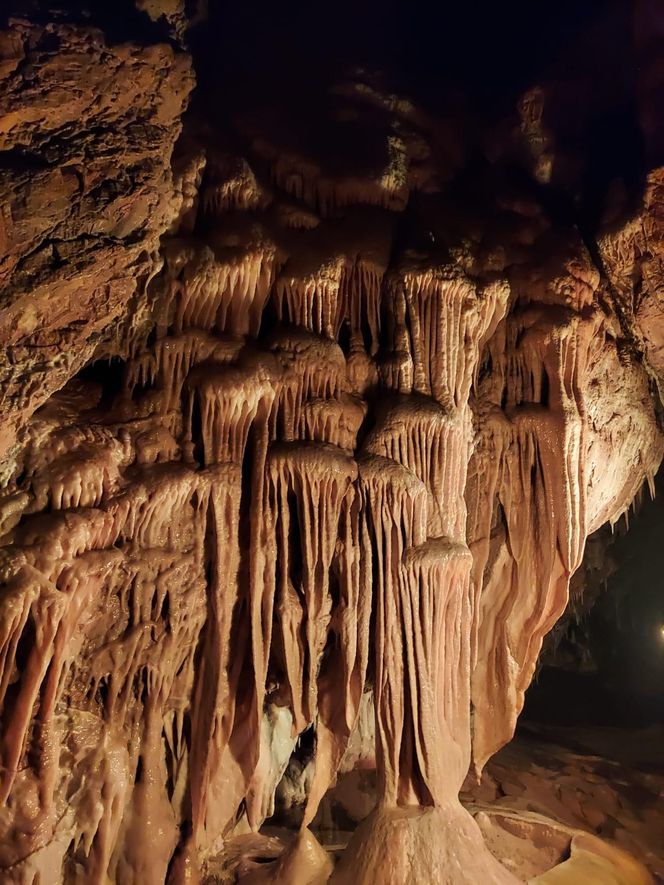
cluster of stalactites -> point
(65, 478)
(300, 389)
(440, 321)
(434, 445)
(215, 570)
(224, 294)
(340, 291)
(236, 400)
(531, 480)
(229, 398)
(230, 184)
(414, 482)
(319, 478)
(110, 599)
(314, 371)
(304, 180)
(167, 364)
(307, 532)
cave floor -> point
(606, 781)
(547, 784)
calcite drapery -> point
(340, 451)
(542, 457)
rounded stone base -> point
(427, 846)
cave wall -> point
(605, 656)
(302, 405)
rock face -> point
(296, 411)
(575, 780)
(87, 130)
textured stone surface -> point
(86, 132)
(363, 410)
(579, 779)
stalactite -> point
(318, 476)
(447, 321)
(219, 672)
(224, 295)
(433, 444)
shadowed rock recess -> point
(310, 401)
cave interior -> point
(332, 386)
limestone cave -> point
(332, 386)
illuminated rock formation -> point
(80, 231)
(283, 426)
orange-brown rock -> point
(86, 130)
(292, 410)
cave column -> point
(423, 605)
